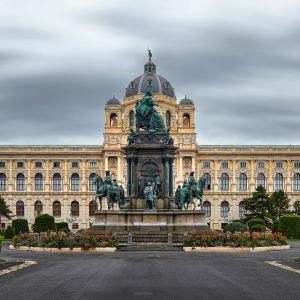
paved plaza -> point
(152, 275)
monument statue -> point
(150, 196)
(147, 117)
(190, 189)
(110, 189)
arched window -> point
(20, 182)
(38, 182)
(92, 185)
(92, 208)
(75, 209)
(113, 120)
(207, 186)
(56, 182)
(242, 182)
(224, 209)
(186, 121)
(168, 119)
(261, 180)
(75, 182)
(207, 208)
(38, 208)
(242, 210)
(20, 211)
(2, 182)
(131, 118)
(56, 209)
(278, 182)
(296, 182)
(224, 182)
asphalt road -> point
(151, 275)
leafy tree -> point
(9, 233)
(43, 223)
(4, 210)
(278, 205)
(20, 225)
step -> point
(149, 247)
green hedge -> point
(9, 233)
(254, 222)
(20, 225)
(61, 226)
(258, 228)
(235, 227)
(43, 223)
(275, 226)
(289, 225)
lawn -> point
(1, 238)
(293, 240)
(297, 260)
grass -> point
(297, 260)
(293, 240)
(1, 238)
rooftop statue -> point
(147, 117)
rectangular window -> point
(56, 164)
(206, 165)
(261, 164)
(297, 164)
(243, 164)
(93, 164)
(38, 164)
(20, 164)
(224, 164)
(75, 164)
(279, 164)
(2, 164)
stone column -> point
(171, 179)
(166, 177)
(133, 176)
(119, 168)
(128, 190)
(180, 179)
(105, 163)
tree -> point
(278, 205)
(4, 210)
(43, 223)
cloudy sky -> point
(61, 60)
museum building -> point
(58, 180)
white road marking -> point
(26, 264)
(281, 266)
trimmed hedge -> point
(9, 233)
(62, 226)
(254, 222)
(235, 227)
(275, 226)
(258, 228)
(289, 225)
(43, 223)
(20, 225)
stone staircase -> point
(149, 247)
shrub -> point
(235, 227)
(43, 223)
(20, 225)
(258, 228)
(62, 226)
(275, 226)
(289, 225)
(9, 233)
(2, 231)
(254, 222)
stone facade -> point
(56, 179)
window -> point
(207, 208)
(261, 180)
(224, 182)
(93, 164)
(38, 182)
(243, 165)
(75, 182)
(224, 164)
(56, 182)
(20, 182)
(167, 85)
(168, 119)
(38, 164)
(38, 208)
(92, 208)
(242, 210)
(92, 185)
(74, 208)
(113, 120)
(132, 84)
(2, 182)
(242, 182)
(279, 164)
(75, 164)
(278, 182)
(297, 164)
(186, 121)
(20, 164)
(207, 186)
(131, 118)
(56, 209)
(224, 209)
(20, 211)
(206, 165)
(296, 182)
(261, 164)
(2, 164)
(56, 164)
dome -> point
(187, 101)
(112, 101)
(150, 80)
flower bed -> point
(61, 240)
(235, 240)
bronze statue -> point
(150, 196)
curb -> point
(236, 249)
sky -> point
(60, 61)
